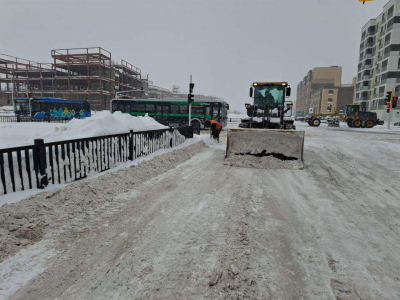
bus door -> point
(216, 113)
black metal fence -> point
(41, 164)
(18, 118)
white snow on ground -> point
(101, 123)
(237, 116)
(23, 267)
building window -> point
(330, 92)
(329, 108)
(330, 100)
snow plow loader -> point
(267, 139)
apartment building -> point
(379, 61)
(321, 91)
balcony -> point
(364, 98)
(366, 77)
(384, 69)
(369, 45)
(366, 56)
(366, 67)
(365, 87)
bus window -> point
(141, 107)
(150, 107)
(120, 106)
(86, 106)
(197, 110)
(159, 109)
(127, 107)
(208, 111)
(115, 106)
(183, 109)
(215, 112)
(174, 109)
(35, 106)
(165, 109)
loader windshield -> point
(269, 95)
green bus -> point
(174, 111)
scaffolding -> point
(84, 74)
(79, 74)
(17, 76)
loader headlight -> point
(283, 84)
(247, 105)
(255, 84)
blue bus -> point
(48, 108)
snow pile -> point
(102, 123)
(6, 111)
(237, 116)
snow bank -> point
(6, 111)
(102, 123)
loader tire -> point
(350, 123)
(357, 123)
(369, 124)
(316, 122)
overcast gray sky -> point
(224, 44)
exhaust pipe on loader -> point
(265, 149)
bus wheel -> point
(77, 116)
(369, 124)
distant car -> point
(397, 124)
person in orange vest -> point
(215, 129)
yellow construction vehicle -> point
(354, 115)
(267, 139)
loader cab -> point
(352, 110)
(270, 94)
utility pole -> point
(190, 99)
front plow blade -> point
(265, 148)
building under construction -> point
(79, 74)
(75, 74)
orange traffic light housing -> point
(389, 95)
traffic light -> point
(389, 95)
(394, 102)
(388, 108)
(190, 98)
(191, 86)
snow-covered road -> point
(199, 229)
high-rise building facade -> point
(379, 61)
